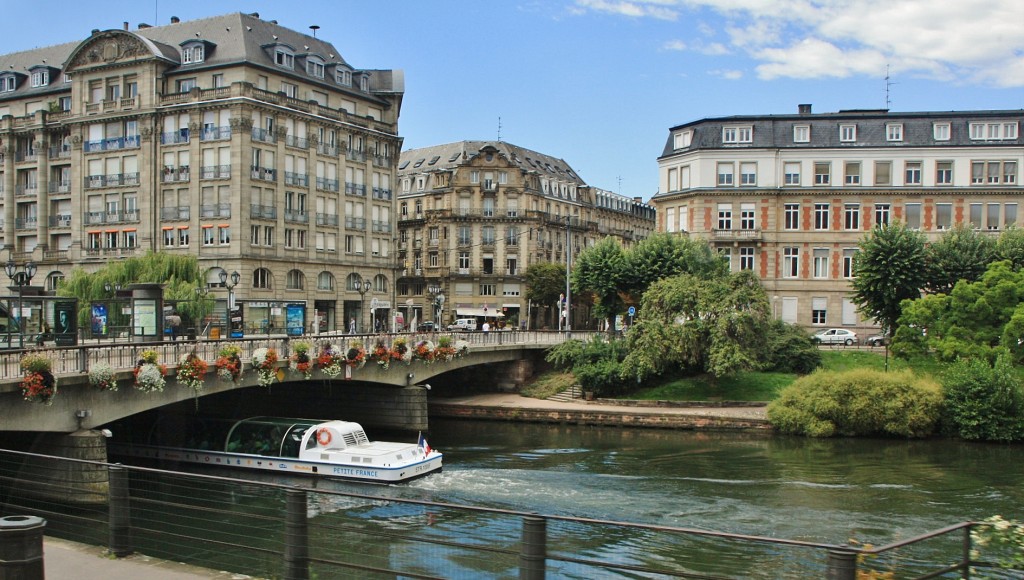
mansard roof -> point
(458, 154)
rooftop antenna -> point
(499, 128)
(620, 184)
(888, 86)
(314, 28)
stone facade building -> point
(790, 196)
(255, 148)
(474, 215)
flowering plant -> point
(330, 360)
(192, 371)
(149, 373)
(356, 355)
(229, 362)
(101, 376)
(1001, 540)
(425, 351)
(445, 351)
(300, 361)
(400, 351)
(382, 355)
(39, 384)
(461, 347)
(263, 360)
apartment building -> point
(253, 147)
(473, 215)
(790, 196)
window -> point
(8, 83)
(325, 281)
(740, 134)
(284, 58)
(894, 132)
(261, 278)
(993, 130)
(913, 173)
(790, 262)
(848, 133)
(315, 68)
(882, 214)
(746, 258)
(224, 235)
(820, 263)
(724, 216)
(792, 216)
(208, 237)
(819, 311)
(185, 85)
(852, 173)
(725, 174)
(821, 216)
(974, 215)
(218, 80)
(848, 257)
(883, 173)
(487, 289)
(183, 236)
(294, 280)
(289, 90)
(801, 133)
(192, 54)
(940, 131)
(912, 213)
(40, 78)
(993, 172)
(822, 171)
(851, 216)
(169, 237)
(748, 173)
(943, 173)
(943, 216)
(747, 216)
(1009, 215)
(792, 173)
(725, 254)
(344, 77)
(463, 262)
(682, 139)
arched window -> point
(53, 279)
(353, 282)
(295, 280)
(380, 283)
(262, 278)
(325, 281)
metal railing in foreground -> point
(276, 530)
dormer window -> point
(8, 83)
(315, 67)
(738, 134)
(344, 77)
(284, 58)
(193, 54)
(364, 83)
(40, 78)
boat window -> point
(293, 440)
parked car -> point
(463, 324)
(428, 326)
(880, 339)
(835, 336)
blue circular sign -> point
(632, 310)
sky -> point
(599, 83)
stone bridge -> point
(400, 387)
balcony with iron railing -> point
(178, 213)
(381, 226)
(264, 173)
(61, 220)
(59, 186)
(26, 189)
(179, 137)
(296, 216)
(296, 179)
(463, 242)
(26, 223)
(355, 189)
(263, 135)
(61, 152)
(112, 180)
(216, 210)
(355, 155)
(381, 161)
(324, 184)
(25, 155)
(298, 142)
(266, 212)
(215, 172)
(327, 219)
(117, 217)
(112, 144)
(355, 223)
(215, 133)
(175, 174)
(381, 193)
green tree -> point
(889, 268)
(984, 402)
(975, 320)
(713, 325)
(962, 253)
(1010, 246)
(600, 270)
(664, 255)
(545, 281)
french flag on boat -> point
(424, 445)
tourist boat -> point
(336, 449)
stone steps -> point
(570, 394)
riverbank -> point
(602, 412)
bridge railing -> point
(279, 530)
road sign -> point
(632, 311)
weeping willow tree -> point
(180, 276)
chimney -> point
(143, 25)
(126, 25)
(638, 199)
(175, 20)
(804, 109)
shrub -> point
(984, 402)
(788, 349)
(604, 377)
(859, 402)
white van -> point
(463, 324)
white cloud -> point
(674, 45)
(729, 75)
(964, 41)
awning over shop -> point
(491, 312)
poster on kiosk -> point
(236, 321)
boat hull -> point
(284, 465)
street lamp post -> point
(201, 293)
(111, 290)
(438, 302)
(21, 278)
(362, 287)
(235, 279)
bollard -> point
(533, 554)
(842, 565)
(296, 536)
(120, 513)
(21, 548)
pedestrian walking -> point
(352, 326)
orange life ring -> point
(323, 436)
